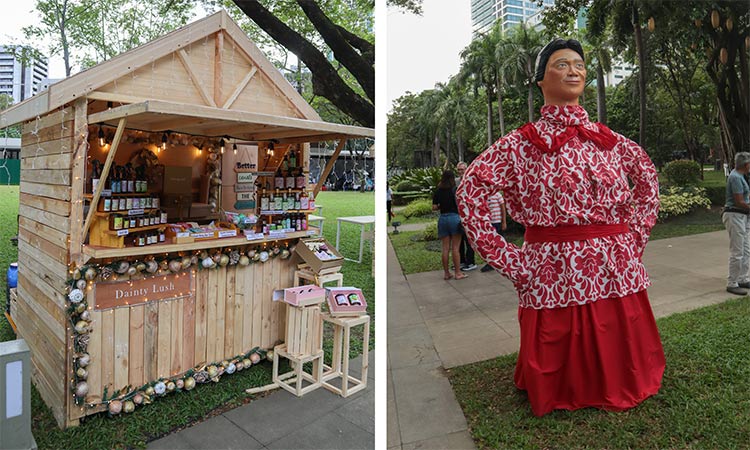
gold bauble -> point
(651, 24)
(715, 19)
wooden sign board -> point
(246, 177)
(244, 187)
(134, 292)
(245, 196)
(245, 204)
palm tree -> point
(520, 50)
(602, 61)
(455, 113)
(478, 68)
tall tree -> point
(478, 69)
(522, 47)
(355, 54)
(87, 32)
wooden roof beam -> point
(329, 167)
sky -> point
(17, 14)
(425, 50)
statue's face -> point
(564, 78)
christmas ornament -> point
(75, 296)
(115, 407)
(160, 388)
(84, 359)
(82, 389)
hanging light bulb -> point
(234, 148)
(102, 142)
(200, 150)
(270, 148)
(164, 141)
(221, 146)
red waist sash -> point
(570, 233)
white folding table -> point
(362, 221)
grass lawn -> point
(175, 411)
(704, 401)
(416, 256)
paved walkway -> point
(434, 324)
(318, 420)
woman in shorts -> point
(449, 223)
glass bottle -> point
(278, 181)
(304, 202)
(263, 201)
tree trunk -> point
(489, 118)
(461, 152)
(342, 51)
(601, 97)
(325, 79)
(500, 114)
(447, 147)
(641, 50)
(531, 102)
(436, 149)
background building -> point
(510, 12)
(18, 80)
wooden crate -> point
(304, 330)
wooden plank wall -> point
(231, 312)
(43, 229)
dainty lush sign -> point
(244, 187)
(134, 292)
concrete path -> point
(318, 420)
(434, 324)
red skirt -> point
(606, 354)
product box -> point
(346, 301)
(319, 254)
(301, 295)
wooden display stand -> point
(318, 278)
(340, 361)
(304, 343)
(292, 381)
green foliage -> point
(429, 233)
(86, 32)
(677, 201)
(417, 208)
(424, 180)
(407, 186)
(412, 6)
(683, 172)
(717, 195)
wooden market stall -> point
(112, 291)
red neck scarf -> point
(571, 121)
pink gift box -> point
(346, 301)
(301, 295)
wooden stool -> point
(292, 380)
(319, 279)
(340, 359)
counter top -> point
(97, 252)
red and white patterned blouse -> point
(564, 170)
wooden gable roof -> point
(208, 63)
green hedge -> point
(716, 194)
(682, 172)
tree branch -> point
(326, 82)
(342, 51)
(366, 49)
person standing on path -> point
(449, 223)
(737, 222)
(588, 335)
(496, 204)
(465, 250)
